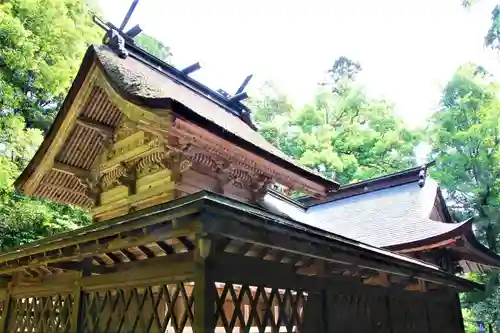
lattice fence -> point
(41, 314)
(155, 309)
(245, 308)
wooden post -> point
(77, 315)
(4, 322)
(76, 308)
(315, 313)
(204, 288)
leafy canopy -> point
(154, 47)
(24, 219)
(343, 134)
(42, 43)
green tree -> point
(465, 140)
(24, 219)
(492, 38)
(345, 135)
(42, 43)
(154, 47)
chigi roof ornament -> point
(116, 42)
(123, 44)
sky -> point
(408, 49)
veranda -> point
(205, 262)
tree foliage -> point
(154, 47)
(42, 43)
(25, 219)
(492, 38)
(465, 140)
(345, 135)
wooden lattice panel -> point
(259, 309)
(155, 309)
(41, 314)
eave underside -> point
(166, 233)
(466, 249)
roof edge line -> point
(459, 230)
(350, 190)
(82, 74)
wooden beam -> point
(151, 271)
(234, 268)
(105, 130)
(142, 264)
(6, 313)
(72, 170)
(130, 256)
(92, 249)
(246, 229)
(147, 251)
(79, 267)
(165, 247)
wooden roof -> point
(403, 212)
(159, 232)
(108, 87)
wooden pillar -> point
(458, 311)
(315, 313)
(77, 315)
(204, 288)
(7, 311)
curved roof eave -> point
(147, 98)
(491, 258)
(458, 230)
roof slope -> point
(213, 208)
(148, 85)
(385, 218)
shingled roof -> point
(386, 218)
(404, 211)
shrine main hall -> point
(194, 230)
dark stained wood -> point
(148, 275)
(6, 313)
(165, 247)
(130, 256)
(100, 248)
(204, 288)
(298, 243)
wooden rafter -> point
(72, 170)
(105, 130)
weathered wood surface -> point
(231, 292)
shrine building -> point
(188, 236)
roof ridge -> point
(399, 178)
(124, 45)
